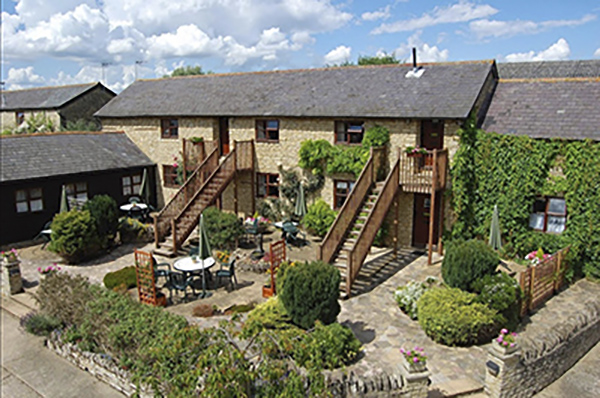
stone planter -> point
(504, 350)
(413, 367)
(11, 277)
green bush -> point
(328, 347)
(319, 218)
(132, 230)
(502, 293)
(407, 296)
(223, 229)
(453, 317)
(311, 293)
(74, 235)
(376, 136)
(465, 262)
(126, 276)
(314, 155)
(105, 213)
(269, 315)
(40, 324)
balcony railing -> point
(420, 172)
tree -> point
(384, 59)
(188, 71)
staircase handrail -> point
(333, 238)
(361, 247)
(163, 218)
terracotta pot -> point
(267, 291)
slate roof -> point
(549, 69)
(42, 97)
(546, 108)
(33, 156)
(445, 90)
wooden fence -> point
(540, 282)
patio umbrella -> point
(495, 241)
(64, 204)
(145, 188)
(300, 209)
(204, 252)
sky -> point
(49, 43)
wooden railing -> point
(417, 171)
(162, 221)
(333, 239)
(363, 243)
(540, 282)
(245, 155)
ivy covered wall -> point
(511, 171)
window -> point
(549, 215)
(29, 200)
(267, 130)
(20, 117)
(77, 191)
(170, 176)
(268, 185)
(169, 128)
(349, 132)
(131, 184)
(341, 191)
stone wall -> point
(9, 119)
(545, 358)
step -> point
(464, 387)
(14, 307)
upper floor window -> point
(267, 130)
(131, 184)
(77, 191)
(549, 215)
(349, 132)
(20, 117)
(169, 128)
(341, 192)
(29, 200)
(170, 176)
(268, 185)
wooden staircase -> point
(172, 228)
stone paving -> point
(371, 312)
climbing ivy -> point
(510, 172)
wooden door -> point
(421, 214)
(432, 137)
(223, 136)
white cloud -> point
(34, 11)
(463, 11)
(597, 53)
(338, 55)
(382, 13)
(187, 40)
(491, 28)
(425, 52)
(19, 78)
(556, 52)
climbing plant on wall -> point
(511, 171)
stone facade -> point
(9, 118)
(542, 360)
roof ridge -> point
(549, 79)
(61, 133)
(265, 72)
(52, 87)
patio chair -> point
(44, 234)
(161, 270)
(135, 199)
(252, 229)
(292, 233)
(179, 282)
(227, 271)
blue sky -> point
(66, 42)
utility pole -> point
(104, 65)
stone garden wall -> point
(542, 360)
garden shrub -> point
(452, 317)
(329, 347)
(376, 136)
(223, 229)
(125, 276)
(40, 324)
(465, 262)
(132, 230)
(270, 315)
(407, 296)
(314, 155)
(74, 236)
(105, 213)
(347, 160)
(311, 293)
(501, 293)
(319, 218)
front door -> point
(432, 136)
(421, 214)
(223, 136)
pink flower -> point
(39, 269)
(512, 344)
(505, 343)
(514, 334)
(175, 165)
(415, 359)
(499, 339)
(504, 331)
(402, 350)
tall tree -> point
(384, 59)
(188, 71)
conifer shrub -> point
(105, 213)
(465, 262)
(311, 293)
(319, 218)
(503, 294)
(74, 236)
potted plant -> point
(49, 270)
(537, 256)
(10, 256)
(267, 289)
(414, 360)
(506, 342)
(415, 151)
(197, 140)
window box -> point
(349, 133)
(267, 130)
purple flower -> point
(504, 331)
(499, 339)
(505, 343)
(415, 359)
(512, 344)
(514, 334)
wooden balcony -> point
(419, 173)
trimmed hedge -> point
(452, 317)
(465, 262)
(74, 235)
(125, 276)
(502, 293)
